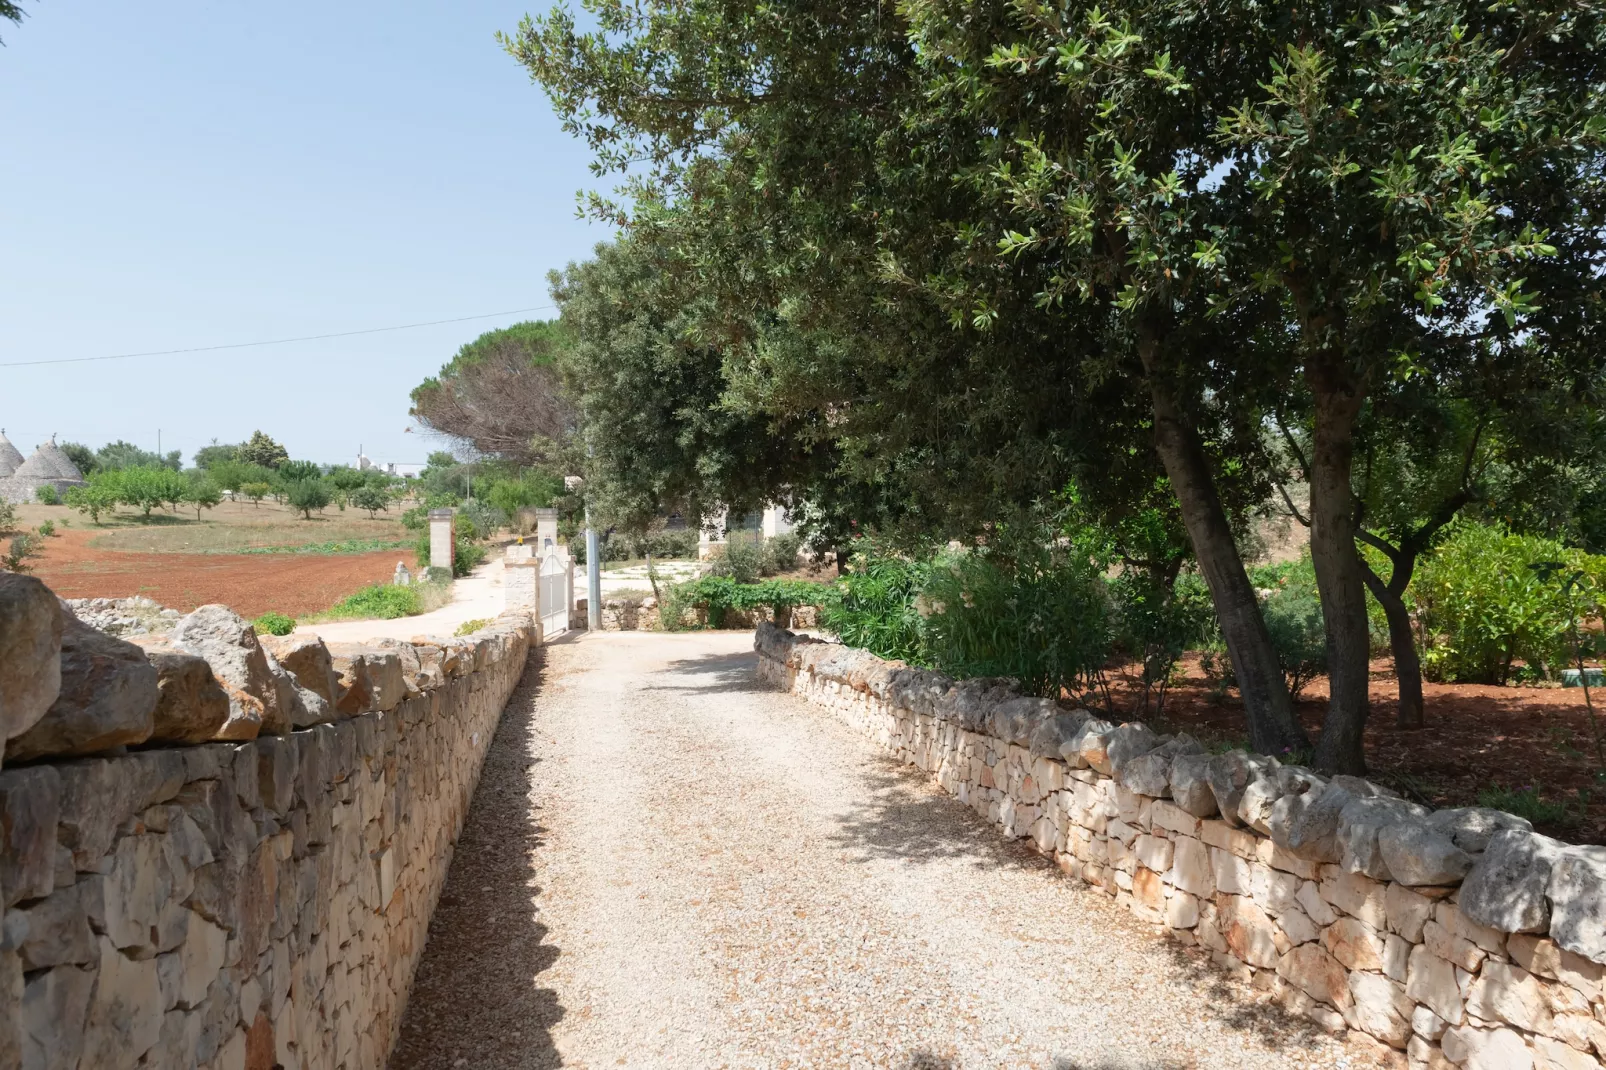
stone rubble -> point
(215, 902)
(1451, 939)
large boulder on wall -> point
(30, 653)
(107, 699)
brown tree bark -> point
(1272, 727)
(1338, 395)
(1411, 712)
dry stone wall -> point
(1450, 938)
(250, 902)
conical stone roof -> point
(10, 457)
(47, 463)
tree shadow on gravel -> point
(474, 1000)
(905, 818)
(732, 674)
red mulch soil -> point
(250, 584)
(1477, 738)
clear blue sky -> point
(191, 174)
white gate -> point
(555, 590)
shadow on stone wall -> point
(475, 1000)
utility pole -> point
(593, 578)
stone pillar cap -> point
(441, 514)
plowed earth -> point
(250, 584)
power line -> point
(273, 341)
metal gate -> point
(554, 587)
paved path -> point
(668, 866)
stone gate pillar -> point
(442, 539)
(546, 530)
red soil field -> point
(250, 584)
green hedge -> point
(721, 594)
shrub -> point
(1156, 623)
(680, 545)
(721, 594)
(383, 600)
(1480, 606)
(308, 494)
(256, 491)
(742, 558)
(477, 520)
(271, 623)
(23, 549)
(1525, 802)
(8, 517)
(469, 627)
(1293, 615)
(416, 518)
(780, 553)
(875, 605)
(372, 498)
(1034, 611)
(48, 528)
(47, 495)
(94, 499)
(203, 494)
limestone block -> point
(277, 763)
(1173, 818)
(1316, 973)
(1354, 944)
(1190, 784)
(370, 678)
(30, 805)
(1418, 854)
(1238, 841)
(1431, 981)
(1472, 827)
(1381, 1008)
(107, 699)
(1553, 1055)
(1451, 948)
(54, 931)
(1358, 825)
(125, 1012)
(1407, 911)
(1232, 875)
(1544, 957)
(1148, 890)
(1426, 1024)
(231, 647)
(192, 707)
(1153, 852)
(1250, 934)
(30, 653)
(1459, 925)
(1307, 823)
(1181, 911)
(1256, 806)
(306, 658)
(1273, 889)
(1123, 744)
(55, 1004)
(1507, 993)
(1577, 895)
(1297, 926)
(1355, 895)
(1396, 957)
(1230, 774)
(1487, 1049)
(1273, 854)
(1191, 869)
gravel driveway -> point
(667, 865)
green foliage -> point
(256, 491)
(781, 551)
(742, 558)
(372, 498)
(721, 594)
(23, 549)
(47, 495)
(143, 488)
(272, 623)
(416, 518)
(382, 600)
(1156, 622)
(1525, 802)
(477, 520)
(99, 496)
(466, 557)
(202, 492)
(82, 457)
(48, 528)
(8, 517)
(1293, 615)
(210, 457)
(309, 494)
(295, 471)
(118, 455)
(262, 451)
(469, 627)
(1481, 607)
(1029, 609)
(338, 546)
(876, 605)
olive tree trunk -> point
(1339, 570)
(1272, 727)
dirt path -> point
(668, 866)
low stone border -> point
(257, 901)
(1449, 938)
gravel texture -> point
(668, 865)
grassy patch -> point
(469, 627)
(386, 601)
(341, 546)
(1525, 802)
(271, 623)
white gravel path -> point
(667, 865)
